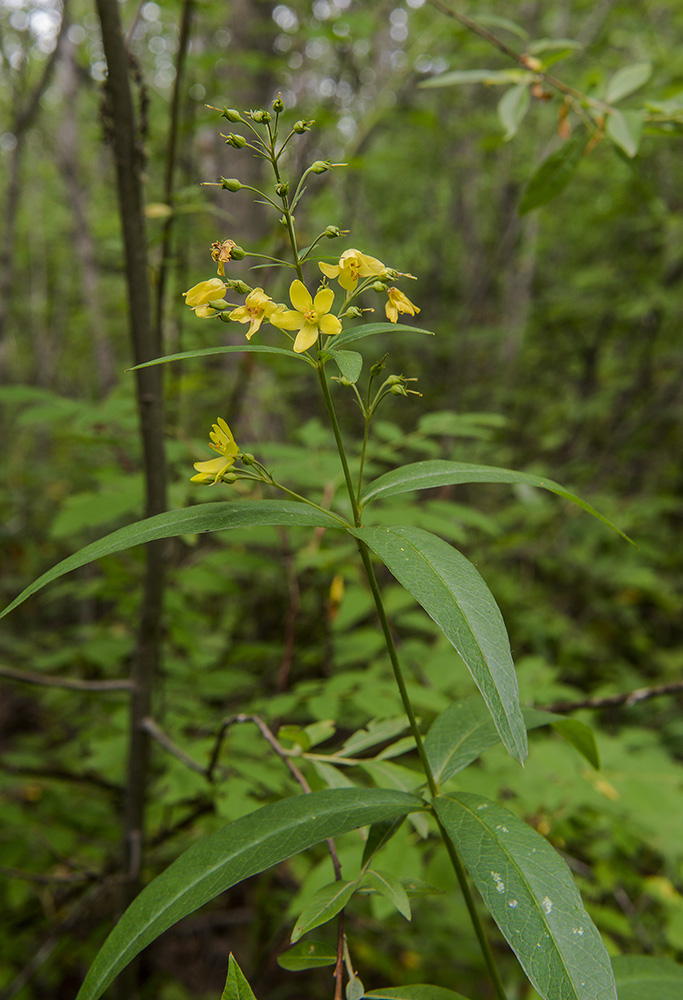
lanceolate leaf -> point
(640, 977)
(350, 363)
(208, 351)
(438, 472)
(388, 885)
(370, 329)
(464, 76)
(326, 903)
(465, 730)
(307, 955)
(243, 848)
(512, 108)
(454, 595)
(189, 521)
(553, 175)
(415, 991)
(625, 129)
(626, 80)
(529, 891)
(236, 985)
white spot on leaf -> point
(547, 904)
(500, 885)
(513, 904)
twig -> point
(60, 774)
(150, 726)
(49, 879)
(69, 683)
(627, 698)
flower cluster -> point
(223, 442)
(311, 316)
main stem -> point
(405, 697)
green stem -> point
(340, 444)
(297, 496)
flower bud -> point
(278, 104)
(378, 367)
(237, 253)
(398, 390)
(394, 380)
(378, 286)
(225, 317)
(219, 304)
(239, 286)
(247, 458)
(344, 381)
(230, 184)
(302, 126)
(332, 232)
(260, 116)
(238, 141)
(232, 115)
(320, 166)
(282, 189)
(353, 312)
(229, 477)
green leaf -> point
(512, 108)
(553, 45)
(460, 76)
(388, 885)
(438, 472)
(415, 991)
(454, 595)
(236, 985)
(640, 977)
(370, 329)
(245, 847)
(377, 731)
(208, 351)
(553, 175)
(189, 521)
(625, 129)
(465, 730)
(354, 989)
(325, 904)
(380, 834)
(529, 891)
(307, 955)
(626, 80)
(349, 363)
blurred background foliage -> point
(557, 351)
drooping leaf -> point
(206, 352)
(389, 886)
(307, 955)
(641, 977)
(325, 904)
(245, 847)
(438, 472)
(512, 108)
(529, 891)
(464, 76)
(236, 985)
(377, 731)
(625, 129)
(349, 363)
(626, 80)
(380, 834)
(370, 329)
(191, 520)
(415, 991)
(465, 730)
(553, 175)
(455, 596)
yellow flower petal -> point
(329, 325)
(300, 296)
(204, 292)
(397, 303)
(306, 337)
(323, 301)
(286, 319)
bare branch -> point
(150, 727)
(69, 683)
(627, 698)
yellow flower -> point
(310, 317)
(257, 307)
(398, 303)
(223, 442)
(199, 296)
(352, 265)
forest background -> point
(557, 351)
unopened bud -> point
(378, 367)
(379, 286)
(398, 390)
(302, 126)
(237, 285)
(247, 458)
(229, 477)
(531, 62)
(260, 116)
(237, 253)
(278, 104)
(332, 232)
(232, 115)
(354, 312)
(230, 184)
(320, 166)
(224, 317)
(282, 189)
(395, 380)
(238, 141)
(219, 304)
(344, 381)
